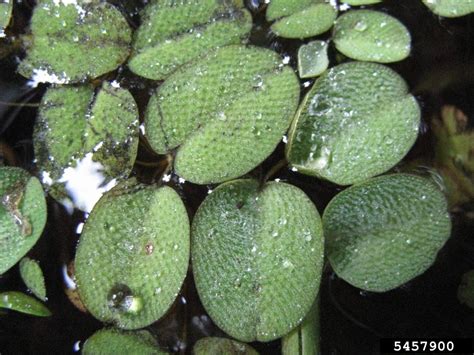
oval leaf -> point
(357, 121)
(133, 254)
(17, 301)
(313, 59)
(22, 215)
(224, 114)
(386, 231)
(257, 257)
(214, 345)
(372, 36)
(450, 8)
(85, 141)
(115, 341)
(172, 34)
(75, 41)
(32, 276)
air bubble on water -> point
(121, 298)
(79, 228)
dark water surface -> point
(439, 71)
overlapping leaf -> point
(450, 8)
(32, 276)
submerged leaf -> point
(22, 215)
(384, 232)
(372, 36)
(84, 142)
(32, 276)
(224, 114)
(450, 8)
(214, 345)
(466, 289)
(17, 301)
(174, 33)
(114, 341)
(133, 254)
(257, 256)
(357, 121)
(5, 14)
(75, 41)
(313, 59)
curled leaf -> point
(32, 276)
(19, 302)
(257, 256)
(384, 232)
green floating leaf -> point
(313, 59)
(361, 2)
(372, 36)
(22, 215)
(75, 41)
(17, 301)
(450, 8)
(114, 341)
(84, 141)
(133, 254)
(304, 339)
(300, 19)
(257, 255)
(466, 289)
(32, 276)
(224, 114)
(357, 121)
(386, 231)
(6, 8)
(214, 345)
(172, 34)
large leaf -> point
(372, 36)
(22, 215)
(84, 142)
(257, 256)
(357, 121)
(214, 345)
(223, 114)
(133, 254)
(32, 276)
(450, 8)
(75, 41)
(19, 302)
(114, 341)
(386, 231)
(174, 33)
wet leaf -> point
(19, 302)
(357, 121)
(32, 276)
(361, 2)
(75, 41)
(173, 34)
(214, 345)
(5, 15)
(372, 36)
(466, 289)
(450, 8)
(257, 255)
(22, 215)
(114, 341)
(301, 19)
(384, 232)
(223, 114)
(133, 254)
(84, 141)
(313, 59)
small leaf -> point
(450, 8)
(84, 142)
(173, 34)
(466, 289)
(361, 2)
(224, 114)
(133, 254)
(22, 215)
(114, 341)
(372, 36)
(32, 276)
(257, 255)
(5, 15)
(384, 232)
(75, 41)
(308, 19)
(357, 121)
(313, 59)
(17, 301)
(214, 345)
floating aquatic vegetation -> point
(450, 8)
(214, 345)
(5, 15)
(32, 276)
(313, 59)
(19, 302)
